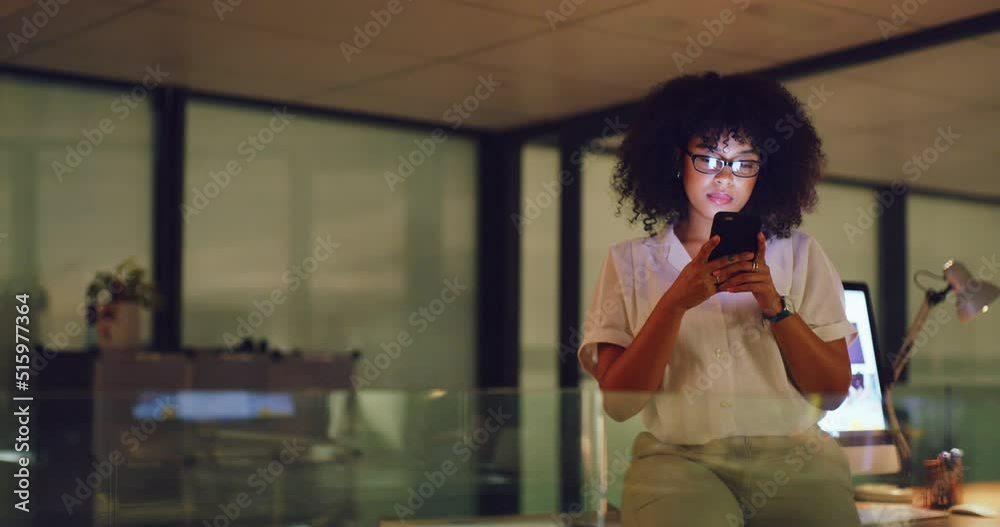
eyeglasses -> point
(713, 165)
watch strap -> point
(780, 315)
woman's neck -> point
(694, 228)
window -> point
(848, 231)
(76, 174)
(295, 234)
(539, 320)
(941, 229)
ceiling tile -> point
(884, 113)
(962, 71)
(992, 39)
(970, 128)
(408, 106)
(426, 28)
(27, 29)
(906, 15)
(780, 30)
(11, 8)
(605, 52)
(863, 105)
(554, 12)
(202, 51)
(600, 57)
(502, 93)
(863, 155)
(873, 157)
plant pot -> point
(118, 327)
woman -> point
(730, 362)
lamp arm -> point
(898, 362)
(905, 455)
(903, 355)
(931, 299)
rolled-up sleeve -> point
(606, 320)
(822, 306)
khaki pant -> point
(739, 481)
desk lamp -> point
(973, 299)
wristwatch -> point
(787, 310)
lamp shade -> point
(974, 295)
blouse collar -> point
(670, 245)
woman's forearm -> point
(640, 368)
(635, 374)
(815, 368)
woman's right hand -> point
(695, 283)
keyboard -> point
(895, 515)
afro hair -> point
(753, 109)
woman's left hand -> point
(758, 282)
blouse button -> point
(725, 404)
(718, 353)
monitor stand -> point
(878, 460)
(883, 492)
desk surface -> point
(983, 493)
(979, 493)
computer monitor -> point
(214, 405)
(860, 424)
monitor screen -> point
(214, 405)
(862, 411)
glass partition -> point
(172, 453)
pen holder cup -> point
(942, 486)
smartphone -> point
(737, 233)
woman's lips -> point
(720, 198)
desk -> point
(978, 493)
(982, 494)
(179, 465)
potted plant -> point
(116, 298)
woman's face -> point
(708, 194)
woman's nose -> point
(725, 176)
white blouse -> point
(726, 376)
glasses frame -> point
(730, 164)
